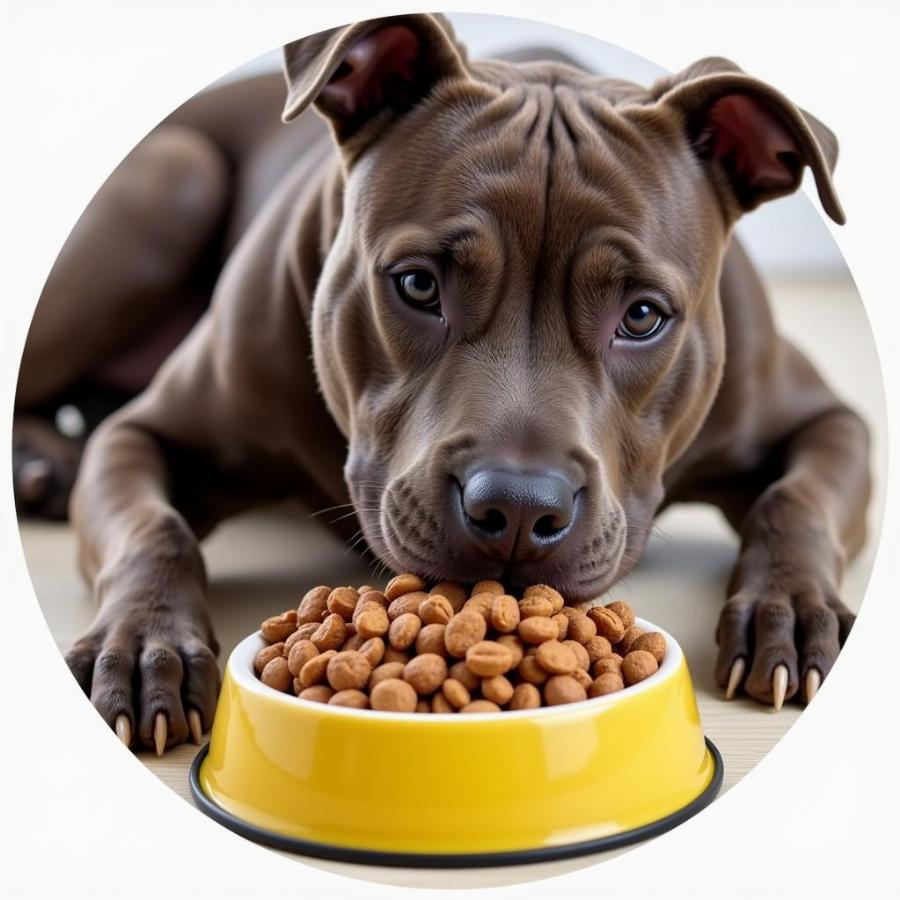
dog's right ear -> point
(370, 72)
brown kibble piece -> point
(350, 697)
(318, 693)
(313, 671)
(638, 665)
(563, 689)
(372, 622)
(504, 613)
(373, 650)
(608, 623)
(392, 654)
(399, 585)
(515, 646)
(406, 603)
(632, 633)
(562, 623)
(290, 640)
(582, 677)
(581, 628)
(426, 673)
(385, 670)
(423, 706)
(454, 592)
(348, 669)
(463, 630)
(532, 671)
(623, 611)
(607, 664)
(482, 604)
(313, 604)
(535, 605)
(297, 686)
(537, 629)
(301, 653)
(480, 706)
(404, 630)
(525, 696)
(461, 672)
(276, 674)
(393, 695)
(653, 642)
(267, 654)
(440, 704)
(456, 692)
(431, 640)
(554, 596)
(342, 601)
(607, 683)
(279, 628)
(331, 633)
(435, 610)
(597, 647)
(487, 587)
(581, 655)
(488, 658)
(498, 689)
(307, 630)
(556, 658)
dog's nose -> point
(517, 516)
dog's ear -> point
(751, 135)
(370, 70)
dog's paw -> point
(150, 672)
(772, 641)
(45, 463)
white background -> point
(81, 83)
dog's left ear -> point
(367, 73)
(755, 139)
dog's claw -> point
(195, 725)
(734, 677)
(123, 729)
(160, 732)
(779, 686)
(813, 683)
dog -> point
(497, 307)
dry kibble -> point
(480, 706)
(563, 689)
(482, 604)
(279, 628)
(488, 658)
(365, 588)
(607, 664)
(393, 695)
(487, 587)
(581, 628)
(582, 657)
(385, 670)
(392, 654)
(461, 672)
(638, 665)
(554, 596)
(373, 650)
(342, 601)
(440, 704)
(498, 689)
(582, 677)
(525, 696)
(632, 633)
(423, 706)
(406, 603)
(331, 633)
(348, 669)
(455, 593)
(456, 693)
(267, 654)
(515, 646)
(653, 642)
(431, 640)
(562, 624)
(606, 683)
(535, 605)
(556, 658)
(504, 613)
(318, 693)
(354, 642)
(404, 630)
(623, 611)
(426, 673)
(306, 631)
(608, 623)
(297, 686)
(350, 697)
(314, 670)
(532, 671)
(403, 584)
(373, 622)
(369, 600)
(276, 674)
(435, 610)
(313, 604)
(597, 647)
(290, 640)
(463, 630)
(537, 629)
(301, 653)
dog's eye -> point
(418, 288)
(641, 320)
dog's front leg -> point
(784, 622)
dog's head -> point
(518, 326)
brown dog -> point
(529, 331)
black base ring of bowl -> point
(453, 860)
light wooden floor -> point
(259, 564)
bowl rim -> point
(240, 666)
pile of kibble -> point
(446, 650)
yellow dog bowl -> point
(455, 790)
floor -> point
(260, 564)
